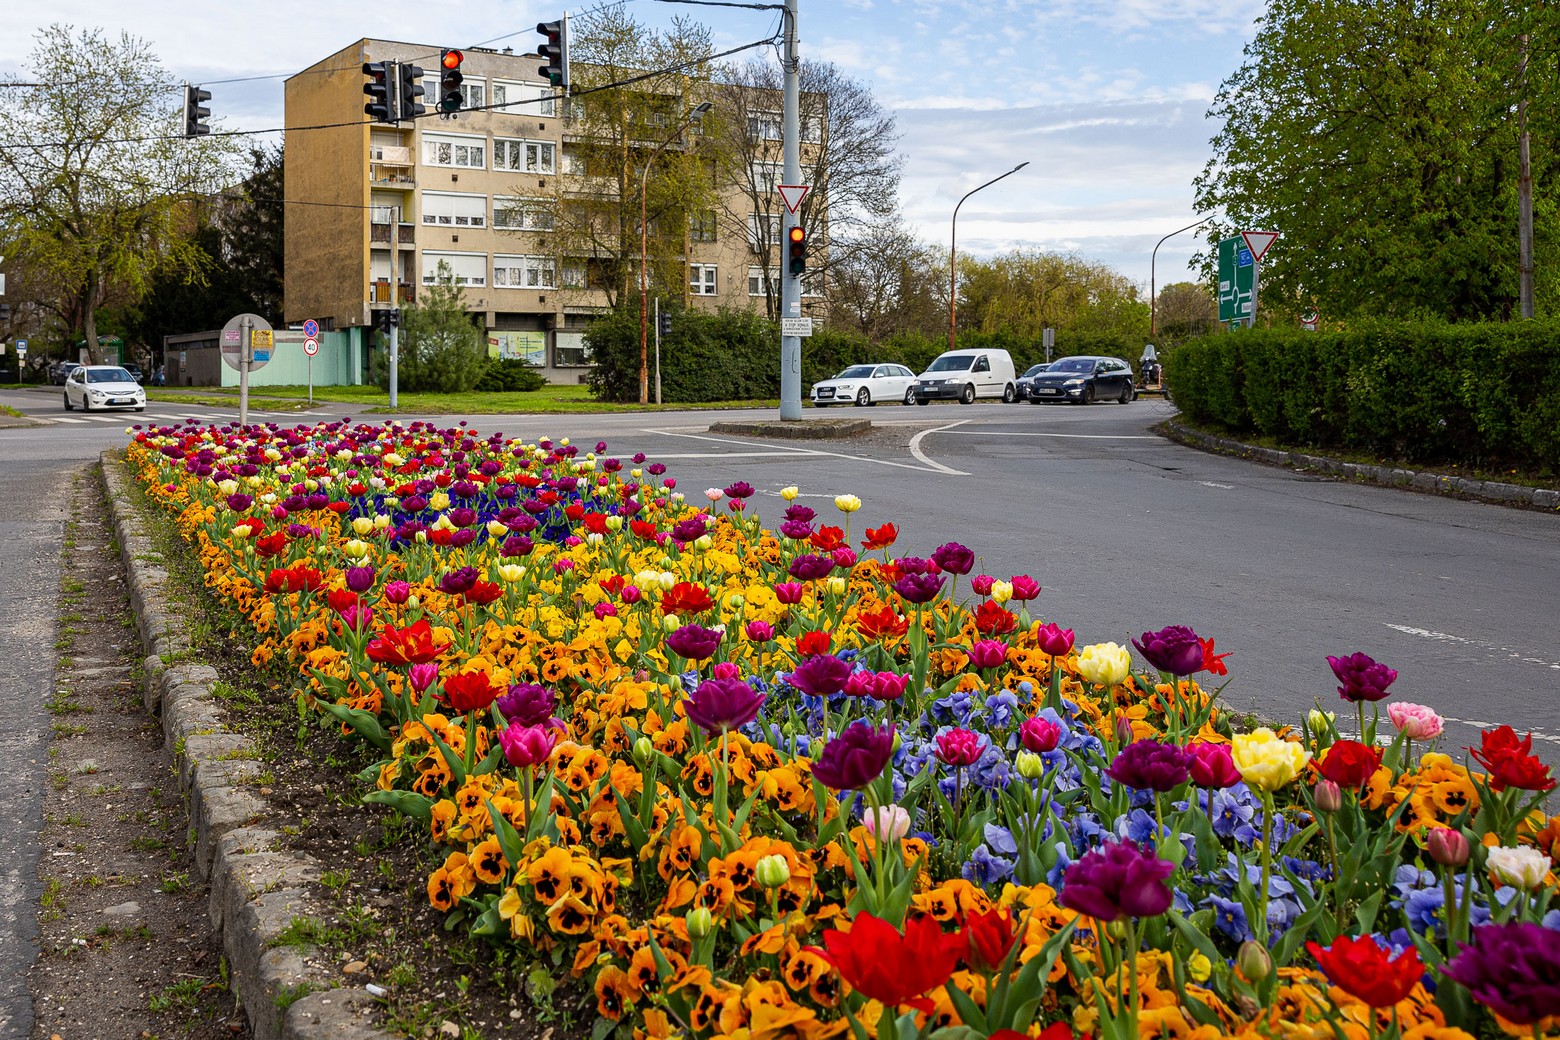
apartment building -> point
(378, 211)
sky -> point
(1105, 99)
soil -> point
(125, 946)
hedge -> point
(1423, 392)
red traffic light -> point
(797, 234)
(452, 59)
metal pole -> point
(395, 304)
(1256, 279)
(657, 350)
(644, 260)
(1153, 299)
(791, 284)
(311, 380)
(243, 372)
(953, 256)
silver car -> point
(106, 387)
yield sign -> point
(792, 195)
(1258, 242)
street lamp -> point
(953, 259)
(644, 251)
(1153, 301)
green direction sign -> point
(1237, 281)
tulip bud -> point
(1329, 797)
(1030, 765)
(414, 601)
(1448, 847)
(1253, 961)
(1116, 929)
(644, 750)
(700, 922)
(1123, 730)
(772, 871)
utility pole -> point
(395, 299)
(1524, 188)
(791, 283)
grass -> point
(563, 399)
(6, 409)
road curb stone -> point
(1389, 476)
(257, 890)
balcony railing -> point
(379, 232)
(379, 292)
(390, 155)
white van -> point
(964, 375)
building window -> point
(569, 350)
(574, 163)
(458, 268)
(523, 99)
(513, 213)
(474, 92)
(701, 225)
(765, 176)
(450, 210)
(760, 237)
(467, 153)
(764, 126)
(812, 129)
(812, 283)
(702, 279)
(524, 272)
(574, 275)
(524, 156)
(756, 281)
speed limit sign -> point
(311, 346)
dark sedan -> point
(1083, 380)
(1025, 384)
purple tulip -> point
(397, 591)
(1510, 968)
(759, 631)
(516, 545)
(960, 747)
(790, 592)
(1361, 678)
(798, 513)
(463, 516)
(811, 567)
(695, 642)
(796, 530)
(459, 581)
(987, 653)
(1148, 765)
(1175, 649)
(689, 530)
(954, 558)
(1039, 734)
(239, 502)
(360, 579)
(1213, 766)
(739, 489)
(722, 704)
(422, 675)
(527, 704)
(856, 757)
(1115, 879)
(1053, 639)
(822, 675)
(919, 588)
(527, 746)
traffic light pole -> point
(790, 283)
(395, 299)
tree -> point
(93, 172)
(1379, 140)
(1023, 292)
(883, 282)
(251, 221)
(847, 159)
(439, 349)
(1185, 310)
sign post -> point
(246, 346)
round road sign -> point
(311, 346)
(311, 329)
(232, 340)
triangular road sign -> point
(1259, 242)
(792, 195)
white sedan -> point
(866, 384)
(103, 386)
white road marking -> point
(1537, 734)
(1073, 436)
(915, 449)
(1446, 637)
(61, 418)
(800, 453)
(1209, 483)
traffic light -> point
(663, 324)
(380, 90)
(450, 78)
(796, 249)
(409, 90)
(386, 320)
(555, 51)
(194, 112)
(5, 312)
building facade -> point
(378, 213)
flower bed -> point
(770, 783)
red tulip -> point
(893, 969)
(1361, 968)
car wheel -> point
(68, 406)
(923, 401)
(1034, 400)
(1126, 395)
(820, 404)
(141, 409)
(1008, 394)
(910, 396)
(1087, 397)
(968, 396)
(863, 398)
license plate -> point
(1048, 390)
(826, 392)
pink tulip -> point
(1415, 721)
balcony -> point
(379, 292)
(391, 177)
(379, 233)
(390, 155)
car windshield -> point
(108, 375)
(1036, 370)
(951, 363)
(1074, 365)
(856, 372)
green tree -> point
(94, 171)
(1379, 140)
(440, 350)
(1023, 292)
(883, 282)
(1185, 310)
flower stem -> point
(1267, 866)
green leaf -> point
(509, 840)
(364, 724)
(417, 806)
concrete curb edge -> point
(257, 889)
(1387, 476)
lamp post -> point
(953, 256)
(644, 251)
(1153, 300)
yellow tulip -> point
(847, 503)
(790, 493)
(1267, 761)
(1001, 591)
(1104, 664)
(363, 525)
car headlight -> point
(1073, 382)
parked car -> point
(61, 370)
(1025, 383)
(865, 384)
(964, 375)
(135, 371)
(1085, 379)
(103, 386)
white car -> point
(103, 386)
(866, 384)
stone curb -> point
(796, 430)
(1387, 476)
(257, 889)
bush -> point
(510, 376)
(728, 356)
(440, 350)
(1422, 391)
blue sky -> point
(1105, 99)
